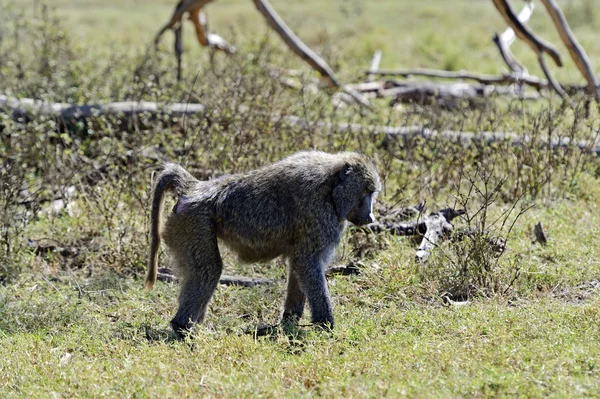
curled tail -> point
(173, 177)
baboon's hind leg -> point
(200, 269)
(294, 300)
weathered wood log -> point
(348, 270)
(22, 109)
(505, 79)
(469, 138)
(437, 225)
(26, 107)
(447, 94)
(575, 49)
(166, 275)
(450, 303)
(367, 87)
(432, 227)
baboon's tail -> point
(172, 177)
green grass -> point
(58, 338)
(82, 326)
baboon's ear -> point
(341, 194)
(344, 172)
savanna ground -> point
(76, 322)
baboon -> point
(295, 208)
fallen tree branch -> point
(468, 138)
(30, 108)
(304, 52)
(166, 275)
(432, 227)
(438, 224)
(349, 270)
(505, 79)
(447, 93)
(26, 107)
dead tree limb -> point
(577, 52)
(349, 270)
(437, 227)
(505, 79)
(432, 227)
(524, 33)
(28, 108)
(166, 275)
(374, 65)
(507, 37)
(294, 42)
(471, 138)
(537, 45)
(447, 94)
(304, 52)
(508, 56)
(551, 80)
(196, 15)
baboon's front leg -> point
(294, 300)
(310, 270)
(198, 18)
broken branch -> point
(166, 275)
(507, 37)
(294, 42)
(374, 65)
(464, 75)
(524, 33)
(577, 52)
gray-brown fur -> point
(295, 208)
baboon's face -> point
(363, 213)
(355, 192)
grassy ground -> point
(77, 323)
